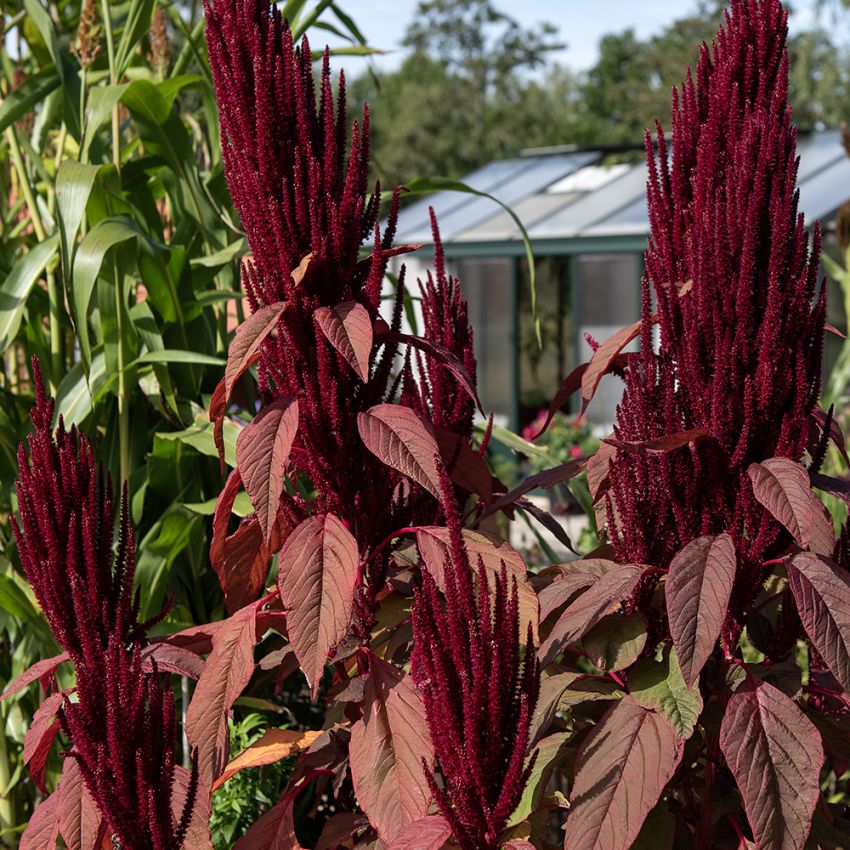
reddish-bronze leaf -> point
(218, 408)
(428, 833)
(433, 543)
(388, 747)
(275, 830)
(782, 486)
(262, 449)
(821, 591)
(571, 384)
(597, 470)
(578, 618)
(198, 835)
(42, 831)
(226, 673)
(40, 737)
(545, 480)
(465, 466)
(569, 580)
(79, 818)
(348, 329)
(273, 746)
(246, 343)
(602, 360)
(402, 440)
(697, 593)
(621, 770)
(172, 659)
(660, 445)
(442, 355)
(775, 754)
(40, 670)
(317, 574)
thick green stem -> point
(26, 186)
(113, 79)
(123, 395)
(8, 814)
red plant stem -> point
(390, 537)
(617, 678)
(703, 837)
(742, 839)
(825, 692)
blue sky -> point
(581, 22)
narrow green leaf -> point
(550, 752)
(101, 100)
(104, 235)
(139, 14)
(222, 257)
(74, 400)
(17, 286)
(74, 182)
(176, 355)
(24, 98)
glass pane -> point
(487, 284)
(542, 370)
(607, 298)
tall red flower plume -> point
(479, 683)
(300, 186)
(122, 722)
(733, 276)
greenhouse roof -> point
(567, 195)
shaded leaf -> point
(428, 833)
(226, 673)
(262, 449)
(570, 579)
(552, 688)
(821, 592)
(544, 480)
(775, 755)
(621, 770)
(782, 486)
(697, 592)
(17, 286)
(604, 595)
(660, 685)
(275, 745)
(615, 642)
(660, 445)
(198, 834)
(602, 360)
(317, 573)
(550, 753)
(246, 343)
(388, 747)
(465, 466)
(570, 385)
(402, 440)
(348, 328)
(172, 659)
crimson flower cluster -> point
(301, 189)
(732, 281)
(480, 685)
(122, 723)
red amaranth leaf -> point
(40, 670)
(775, 755)
(697, 592)
(348, 329)
(660, 445)
(246, 343)
(569, 580)
(434, 546)
(172, 659)
(621, 770)
(465, 466)
(603, 596)
(226, 673)
(80, 822)
(545, 480)
(388, 746)
(262, 449)
(218, 408)
(40, 737)
(198, 835)
(821, 591)
(42, 830)
(401, 439)
(570, 385)
(428, 833)
(317, 573)
(442, 355)
(782, 486)
(602, 360)
(597, 470)
(275, 830)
